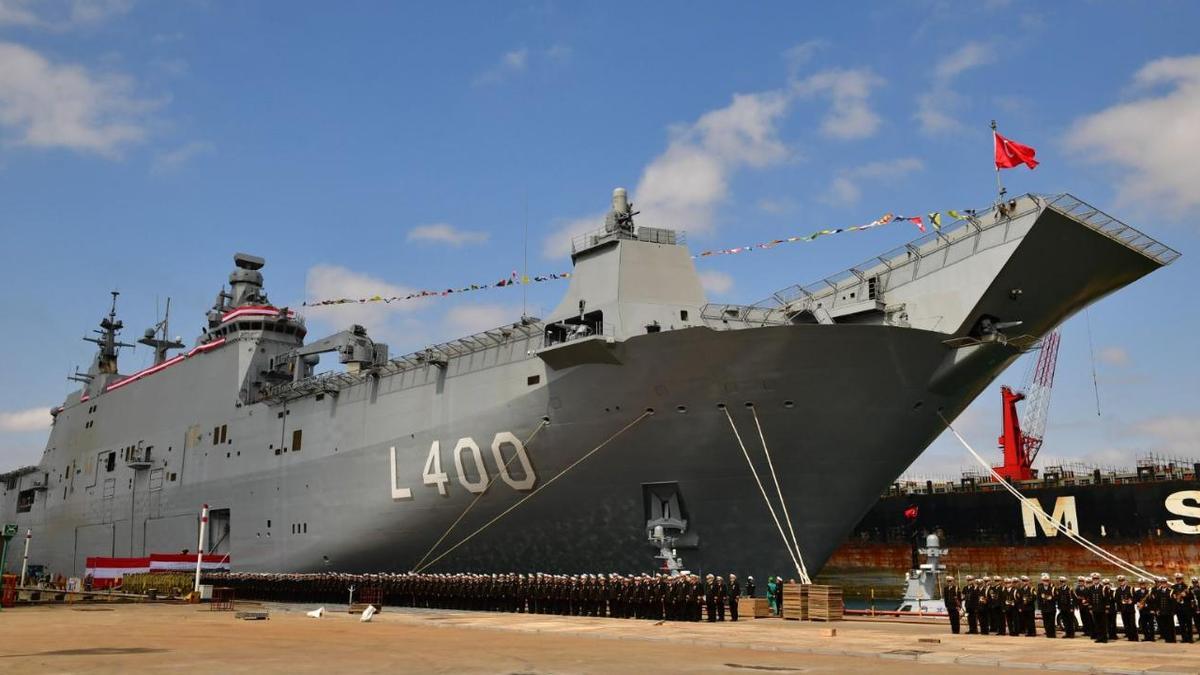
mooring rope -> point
(539, 488)
(545, 421)
(804, 578)
(746, 454)
(1105, 555)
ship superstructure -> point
(563, 443)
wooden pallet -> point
(753, 608)
(795, 602)
(824, 603)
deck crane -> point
(1022, 437)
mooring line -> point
(541, 487)
(545, 421)
(746, 454)
(1103, 554)
(804, 578)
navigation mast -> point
(156, 337)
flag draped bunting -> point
(516, 279)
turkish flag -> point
(1010, 154)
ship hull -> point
(513, 451)
(1154, 524)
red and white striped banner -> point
(162, 562)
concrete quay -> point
(151, 637)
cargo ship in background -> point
(563, 444)
(1148, 514)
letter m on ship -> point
(1063, 514)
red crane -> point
(1022, 438)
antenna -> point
(525, 268)
(159, 338)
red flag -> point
(1010, 154)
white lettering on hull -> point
(1177, 504)
(1064, 514)
(397, 492)
(432, 473)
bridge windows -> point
(25, 500)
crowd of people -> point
(684, 597)
(1091, 606)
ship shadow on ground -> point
(91, 651)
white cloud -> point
(446, 234)
(44, 104)
(510, 64)
(326, 282)
(776, 206)
(1155, 139)
(1114, 356)
(60, 15)
(799, 55)
(682, 187)
(846, 190)
(468, 319)
(31, 419)
(970, 55)
(1174, 434)
(174, 159)
(716, 283)
(850, 116)
(936, 108)
(558, 244)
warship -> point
(634, 413)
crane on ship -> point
(1021, 437)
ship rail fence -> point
(955, 242)
(1056, 475)
(528, 328)
(653, 235)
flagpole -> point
(999, 186)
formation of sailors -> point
(683, 597)
(1009, 607)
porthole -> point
(789, 404)
(681, 408)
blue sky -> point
(367, 148)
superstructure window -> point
(110, 462)
(297, 436)
(25, 500)
(224, 432)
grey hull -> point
(844, 407)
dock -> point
(151, 636)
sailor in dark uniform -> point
(1102, 601)
(1183, 607)
(1064, 597)
(750, 587)
(1027, 606)
(1048, 603)
(971, 605)
(735, 592)
(1083, 592)
(1126, 605)
(1141, 599)
(952, 597)
(995, 603)
(1164, 609)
